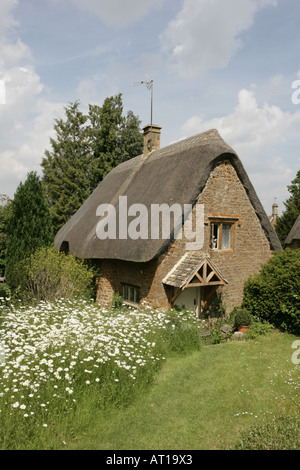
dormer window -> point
(222, 234)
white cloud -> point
(7, 20)
(276, 80)
(12, 53)
(26, 120)
(205, 33)
(248, 126)
(26, 126)
(118, 12)
(256, 134)
(95, 88)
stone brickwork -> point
(224, 197)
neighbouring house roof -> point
(188, 269)
(174, 174)
(294, 233)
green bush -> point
(49, 275)
(273, 294)
(4, 291)
(258, 328)
(243, 318)
(216, 335)
(117, 301)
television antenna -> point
(149, 86)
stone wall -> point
(223, 197)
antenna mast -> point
(149, 85)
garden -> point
(70, 369)
(57, 356)
(74, 375)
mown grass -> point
(208, 400)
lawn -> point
(204, 400)
(75, 376)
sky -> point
(232, 65)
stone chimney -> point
(151, 138)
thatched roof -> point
(294, 233)
(174, 174)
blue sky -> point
(224, 64)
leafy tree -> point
(29, 225)
(5, 209)
(86, 148)
(292, 210)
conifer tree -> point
(5, 206)
(65, 168)
(285, 223)
(29, 225)
(85, 150)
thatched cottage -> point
(293, 238)
(233, 235)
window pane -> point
(226, 236)
(125, 292)
(131, 294)
(214, 235)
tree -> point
(65, 168)
(131, 142)
(86, 148)
(5, 209)
(29, 225)
(292, 210)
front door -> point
(196, 299)
(189, 299)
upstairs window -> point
(131, 294)
(221, 235)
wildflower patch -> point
(55, 353)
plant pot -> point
(243, 329)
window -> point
(131, 294)
(221, 235)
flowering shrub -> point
(58, 353)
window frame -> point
(219, 222)
(131, 289)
